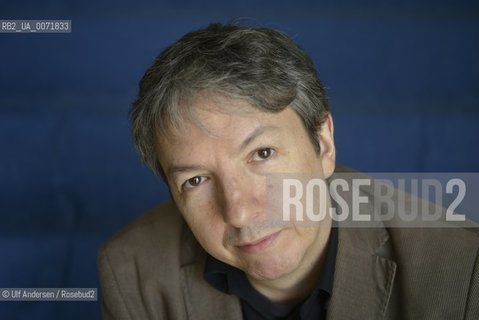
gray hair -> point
(260, 65)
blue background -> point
(402, 76)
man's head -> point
(217, 112)
(259, 65)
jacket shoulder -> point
(139, 267)
(160, 225)
(433, 262)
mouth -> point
(259, 244)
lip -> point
(260, 244)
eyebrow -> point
(175, 170)
(255, 134)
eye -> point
(263, 154)
(193, 182)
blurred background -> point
(402, 77)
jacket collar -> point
(364, 274)
(202, 301)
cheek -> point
(206, 223)
(305, 235)
(300, 157)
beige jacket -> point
(154, 270)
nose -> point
(242, 200)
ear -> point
(327, 154)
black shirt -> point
(254, 305)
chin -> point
(273, 268)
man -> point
(218, 114)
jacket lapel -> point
(202, 301)
(364, 274)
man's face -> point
(216, 168)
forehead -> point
(221, 125)
(221, 117)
